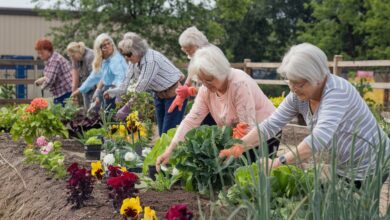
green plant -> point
(66, 112)
(53, 161)
(141, 102)
(93, 141)
(197, 157)
(7, 91)
(8, 116)
(41, 122)
(158, 148)
(164, 180)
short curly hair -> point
(44, 44)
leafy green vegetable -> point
(197, 157)
(93, 141)
(158, 148)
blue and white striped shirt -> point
(342, 120)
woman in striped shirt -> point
(333, 109)
(155, 74)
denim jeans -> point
(61, 99)
(165, 120)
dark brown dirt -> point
(45, 197)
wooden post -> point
(246, 68)
(336, 69)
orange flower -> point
(39, 103)
(30, 109)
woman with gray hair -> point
(333, 109)
(81, 57)
(229, 95)
(109, 69)
(155, 74)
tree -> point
(159, 21)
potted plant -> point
(92, 148)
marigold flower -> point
(131, 207)
(149, 214)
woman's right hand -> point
(163, 159)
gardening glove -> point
(236, 151)
(123, 112)
(240, 130)
(178, 102)
(39, 81)
(186, 91)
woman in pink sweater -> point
(229, 95)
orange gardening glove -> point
(186, 91)
(236, 151)
(240, 130)
(178, 102)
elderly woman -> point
(57, 77)
(190, 40)
(332, 107)
(155, 74)
(230, 95)
(109, 69)
(81, 57)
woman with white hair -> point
(230, 95)
(81, 57)
(155, 74)
(109, 69)
(334, 110)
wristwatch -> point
(282, 160)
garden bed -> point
(45, 197)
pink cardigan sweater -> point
(243, 101)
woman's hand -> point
(163, 159)
(236, 151)
(39, 81)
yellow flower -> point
(122, 130)
(150, 214)
(131, 207)
(95, 167)
(123, 169)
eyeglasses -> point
(128, 55)
(295, 85)
(104, 45)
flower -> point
(175, 171)
(46, 149)
(97, 169)
(127, 179)
(130, 156)
(123, 169)
(30, 109)
(41, 141)
(146, 151)
(179, 212)
(60, 161)
(39, 103)
(114, 171)
(149, 214)
(73, 167)
(131, 207)
(109, 159)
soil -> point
(45, 197)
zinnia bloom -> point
(131, 207)
(179, 212)
(149, 214)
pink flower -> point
(46, 149)
(41, 141)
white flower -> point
(60, 161)
(130, 156)
(175, 171)
(146, 151)
(109, 159)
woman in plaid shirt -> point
(57, 76)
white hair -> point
(304, 62)
(193, 37)
(76, 47)
(133, 43)
(97, 61)
(211, 61)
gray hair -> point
(97, 61)
(211, 61)
(75, 47)
(133, 43)
(192, 36)
(304, 62)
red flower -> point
(179, 212)
(114, 171)
(115, 182)
(39, 103)
(30, 109)
(129, 179)
(73, 167)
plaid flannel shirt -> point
(58, 77)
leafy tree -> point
(159, 21)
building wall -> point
(19, 31)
